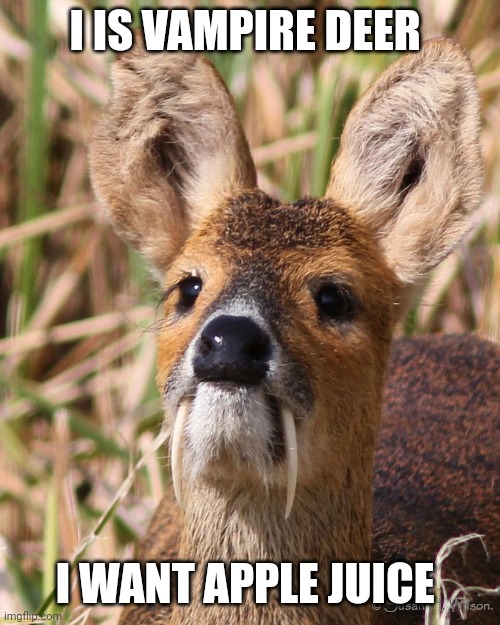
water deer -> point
(277, 325)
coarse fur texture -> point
(172, 167)
(411, 144)
(438, 477)
(433, 479)
(163, 158)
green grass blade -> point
(35, 156)
(50, 544)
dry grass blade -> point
(459, 597)
(284, 147)
(34, 339)
(45, 224)
(107, 514)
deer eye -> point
(334, 303)
(189, 289)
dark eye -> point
(189, 289)
(334, 303)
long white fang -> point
(290, 435)
(176, 450)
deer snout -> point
(232, 349)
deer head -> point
(277, 317)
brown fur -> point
(157, 148)
(171, 164)
(438, 476)
(395, 123)
(420, 469)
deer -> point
(299, 431)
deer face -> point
(278, 317)
(273, 306)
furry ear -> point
(167, 150)
(409, 163)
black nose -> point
(232, 349)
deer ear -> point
(167, 150)
(409, 163)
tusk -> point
(290, 434)
(176, 450)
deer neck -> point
(330, 521)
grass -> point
(33, 169)
(451, 596)
(78, 401)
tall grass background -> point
(78, 404)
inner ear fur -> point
(167, 150)
(409, 163)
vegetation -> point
(78, 403)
